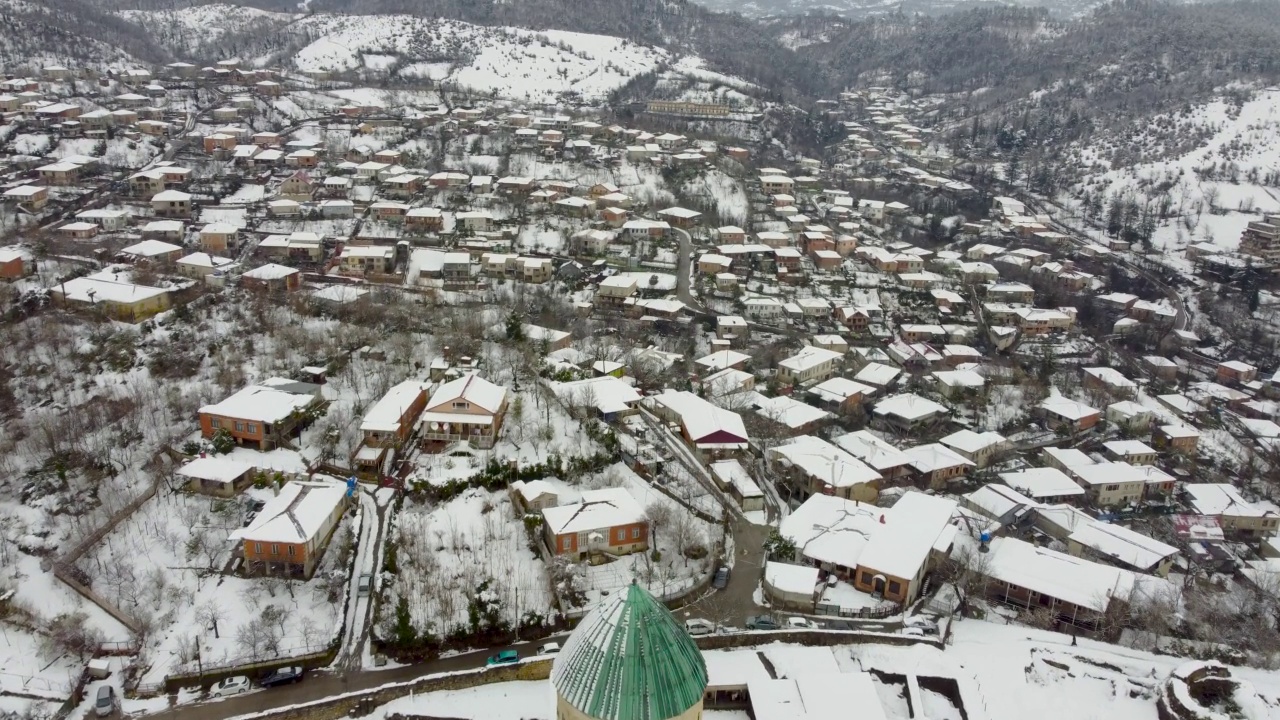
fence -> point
(316, 656)
(62, 568)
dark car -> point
(721, 579)
(282, 676)
(761, 622)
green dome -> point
(629, 659)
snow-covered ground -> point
(1214, 181)
(165, 563)
(1000, 672)
(446, 552)
(508, 62)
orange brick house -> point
(262, 415)
(390, 421)
(607, 521)
(289, 534)
(14, 263)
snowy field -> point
(446, 552)
(520, 64)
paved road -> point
(322, 684)
(683, 261)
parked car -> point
(551, 648)
(799, 623)
(913, 631)
(234, 685)
(721, 579)
(761, 622)
(698, 626)
(506, 657)
(105, 704)
(365, 584)
(840, 625)
(282, 676)
(925, 625)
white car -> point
(698, 626)
(550, 648)
(230, 686)
(799, 623)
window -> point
(460, 405)
(251, 428)
(291, 549)
(866, 577)
(239, 427)
(895, 587)
(622, 534)
(635, 533)
(566, 543)
(1109, 488)
(275, 549)
(215, 423)
(257, 548)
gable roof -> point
(471, 388)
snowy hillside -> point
(507, 62)
(1212, 169)
(195, 31)
(33, 37)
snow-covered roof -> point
(1065, 407)
(877, 374)
(204, 259)
(935, 456)
(472, 389)
(1110, 376)
(908, 532)
(908, 406)
(960, 378)
(151, 248)
(598, 510)
(838, 389)
(722, 359)
(872, 450)
(790, 412)
(171, 196)
(705, 424)
(100, 287)
(1131, 548)
(827, 463)
(1108, 473)
(1042, 482)
(215, 469)
(1222, 499)
(1125, 448)
(808, 358)
(795, 579)
(997, 500)
(299, 514)
(607, 393)
(1081, 582)
(731, 473)
(270, 271)
(260, 403)
(1068, 457)
(385, 414)
(969, 441)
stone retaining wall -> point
(359, 703)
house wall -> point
(11, 269)
(247, 431)
(1115, 494)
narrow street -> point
(321, 684)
